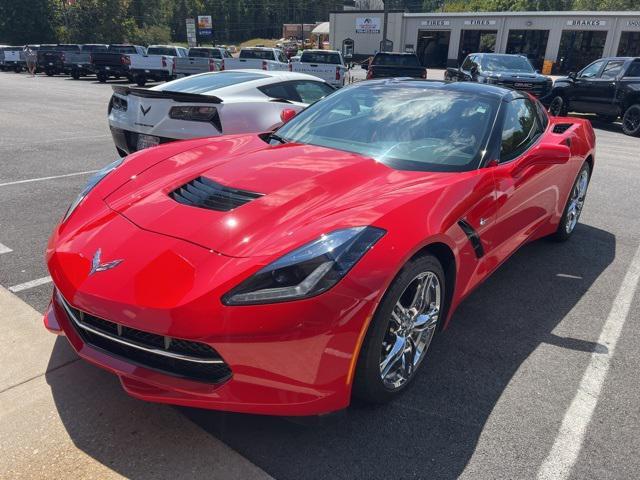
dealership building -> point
(555, 42)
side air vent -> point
(473, 237)
(562, 127)
(204, 193)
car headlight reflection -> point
(93, 181)
(308, 270)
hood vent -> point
(562, 127)
(204, 193)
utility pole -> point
(383, 46)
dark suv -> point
(512, 71)
(609, 87)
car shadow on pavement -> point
(431, 431)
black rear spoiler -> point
(175, 96)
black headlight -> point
(308, 270)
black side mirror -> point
(573, 75)
(473, 70)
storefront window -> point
(579, 48)
(532, 43)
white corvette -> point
(209, 104)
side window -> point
(520, 129)
(280, 90)
(633, 70)
(468, 62)
(612, 69)
(592, 70)
(310, 92)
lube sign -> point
(587, 23)
(479, 22)
(368, 25)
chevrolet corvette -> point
(286, 272)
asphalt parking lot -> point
(537, 377)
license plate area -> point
(146, 141)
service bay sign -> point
(205, 25)
(191, 32)
(368, 25)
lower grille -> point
(182, 358)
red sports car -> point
(282, 273)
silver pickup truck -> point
(200, 60)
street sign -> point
(191, 33)
(205, 26)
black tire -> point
(562, 234)
(631, 121)
(17, 69)
(49, 72)
(102, 77)
(117, 76)
(75, 74)
(368, 385)
(559, 106)
(141, 80)
(606, 118)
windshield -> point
(408, 127)
(320, 57)
(505, 63)
(396, 60)
(121, 49)
(161, 51)
(209, 81)
(204, 53)
(259, 54)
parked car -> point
(51, 59)
(609, 87)
(115, 62)
(208, 104)
(78, 63)
(200, 60)
(325, 64)
(512, 71)
(391, 64)
(284, 273)
(262, 58)
(12, 59)
(156, 64)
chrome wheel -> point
(576, 202)
(411, 327)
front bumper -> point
(304, 376)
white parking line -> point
(568, 443)
(48, 178)
(27, 285)
(4, 249)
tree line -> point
(163, 21)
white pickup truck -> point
(257, 58)
(325, 64)
(201, 60)
(156, 64)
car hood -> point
(304, 191)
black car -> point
(609, 87)
(512, 71)
(392, 64)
